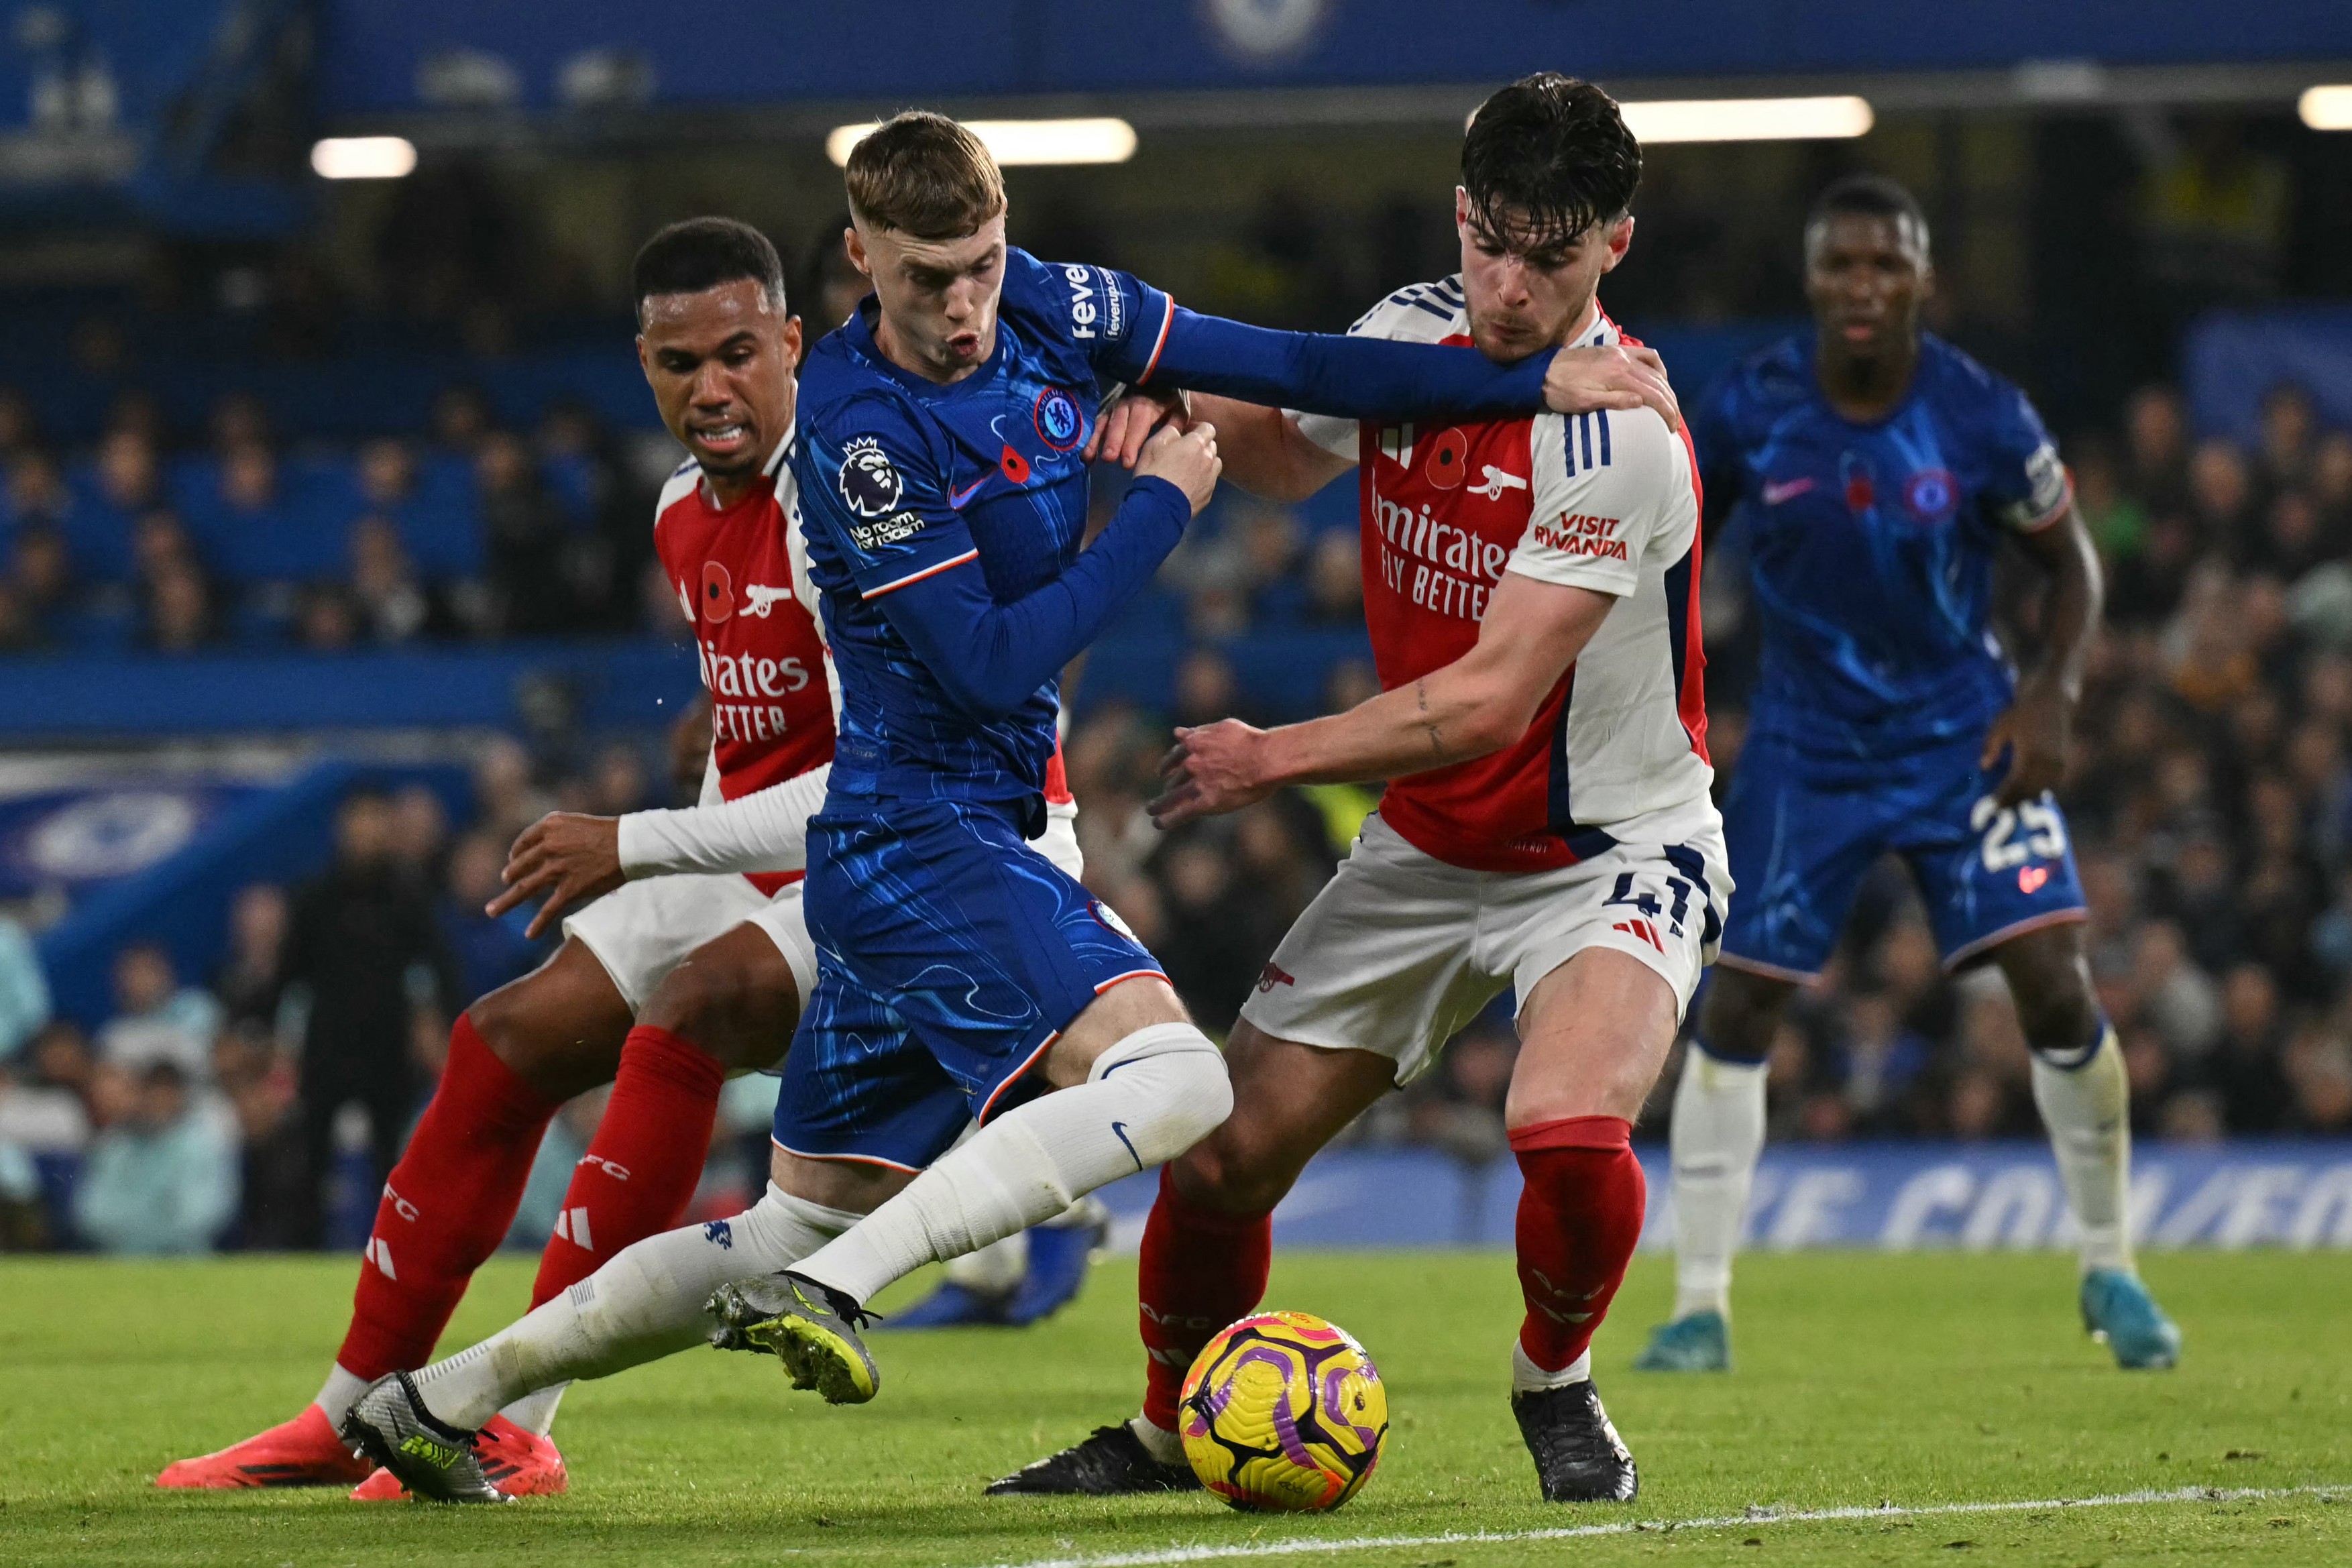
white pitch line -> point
(1755, 1516)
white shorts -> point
(642, 930)
(1399, 950)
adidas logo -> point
(440, 1456)
(571, 1224)
(379, 1252)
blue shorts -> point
(1802, 829)
(950, 955)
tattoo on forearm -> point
(1436, 736)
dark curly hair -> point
(1548, 158)
(702, 253)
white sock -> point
(341, 1392)
(1150, 1097)
(643, 1305)
(535, 1413)
(1526, 1377)
(995, 1270)
(1717, 1131)
(2087, 1111)
(1158, 1441)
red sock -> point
(641, 1168)
(1200, 1271)
(446, 1208)
(1579, 1215)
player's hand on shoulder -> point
(1124, 427)
(1214, 769)
(1188, 461)
(1611, 375)
(569, 857)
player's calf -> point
(1145, 1100)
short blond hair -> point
(925, 175)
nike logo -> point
(1495, 482)
(957, 497)
(1119, 1130)
(1787, 490)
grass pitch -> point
(1922, 1380)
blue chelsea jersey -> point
(901, 478)
(1871, 546)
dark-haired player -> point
(1532, 589)
(663, 984)
(1879, 470)
(940, 455)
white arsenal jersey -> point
(1604, 501)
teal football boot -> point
(2119, 1312)
(1700, 1342)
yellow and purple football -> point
(1283, 1412)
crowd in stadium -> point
(172, 541)
(2210, 795)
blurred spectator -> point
(40, 571)
(326, 618)
(37, 1116)
(391, 598)
(488, 953)
(60, 1057)
(274, 1185)
(461, 418)
(24, 989)
(365, 947)
(2117, 520)
(156, 1018)
(420, 832)
(2245, 1070)
(136, 411)
(176, 609)
(617, 783)
(387, 474)
(2222, 496)
(161, 1178)
(1216, 939)
(251, 981)
(19, 632)
(1335, 582)
(524, 536)
(37, 492)
(248, 483)
(130, 478)
(1207, 689)
(240, 419)
(2289, 427)
(20, 423)
(504, 792)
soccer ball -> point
(1283, 1412)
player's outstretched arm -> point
(1381, 378)
(1480, 704)
(2037, 731)
(990, 658)
(568, 857)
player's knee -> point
(1179, 1081)
(502, 1021)
(2057, 1010)
(722, 1006)
(1227, 1175)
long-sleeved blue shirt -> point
(943, 521)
